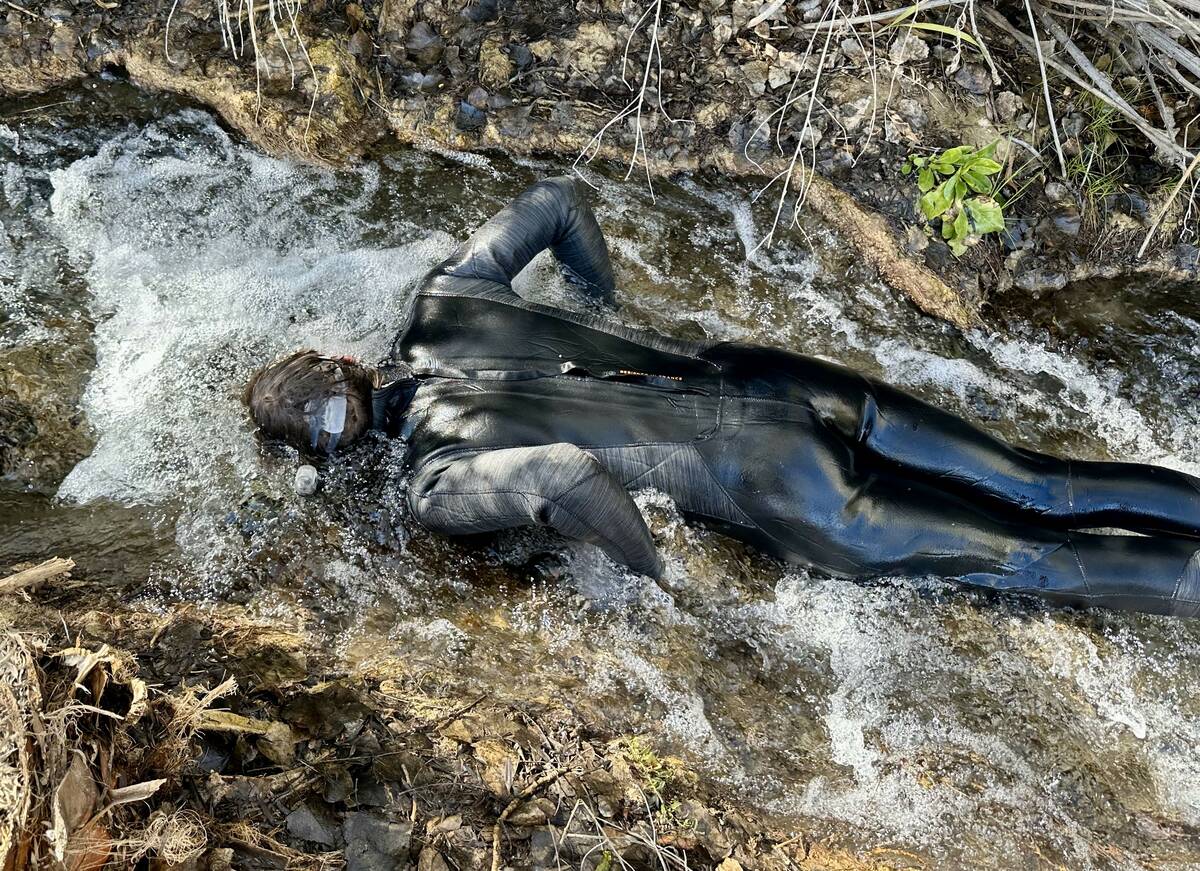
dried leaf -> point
(135, 792)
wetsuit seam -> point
(747, 520)
(1079, 562)
(470, 451)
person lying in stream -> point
(516, 414)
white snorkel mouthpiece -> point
(329, 418)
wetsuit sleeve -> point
(559, 485)
(550, 214)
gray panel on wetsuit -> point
(675, 469)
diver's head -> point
(313, 402)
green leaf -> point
(918, 161)
(907, 13)
(985, 165)
(906, 168)
(976, 182)
(955, 156)
(988, 150)
(985, 214)
(934, 203)
(957, 246)
(941, 28)
(962, 226)
(960, 188)
(925, 180)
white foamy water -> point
(904, 712)
(202, 255)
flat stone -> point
(541, 847)
(755, 74)
(520, 55)
(1057, 192)
(1039, 280)
(912, 112)
(907, 48)
(853, 50)
(778, 77)
(481, 11)
(1187, 257)
(1008, 106)
(374, 843)
(308, 825)
(423, 45)
(361, 47)
(529, 813)
(469, 118)
(478, 98)
(973, 78)
(431, 860)
(1068, 221)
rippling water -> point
(147, 267)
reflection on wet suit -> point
(527, 414)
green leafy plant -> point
(956, 187)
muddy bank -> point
(201, 739)
(335, 80)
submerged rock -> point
(1039, 279)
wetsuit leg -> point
(812, 501)
(894, 429)
(939, 447)
(916, 529)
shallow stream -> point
(150, 261)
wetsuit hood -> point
(394, 386)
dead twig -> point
(22, 9)
(923, 6)
(1037, 47)
(40, 573)
(637, 106)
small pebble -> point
(306, 480)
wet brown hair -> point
(277, 394)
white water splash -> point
(203, 265)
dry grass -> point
(242, 19)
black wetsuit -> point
(527, 414)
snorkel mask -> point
(328, 416)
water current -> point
(150, 261)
